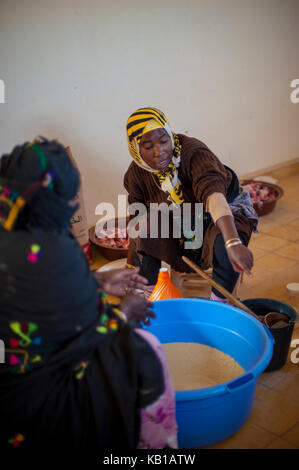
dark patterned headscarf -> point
(37, 181)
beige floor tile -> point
(289, 200)
(288, 180)
(246, 292)
(272, 219)
(258, 253)
(274, 378)
(286, 210)
(288, 274)
(274, 262)
(286, 232)
(294, 222)
(260, 275)
(292, 435)
(266, 226)
(290, 250)
(295, 334)
(275, 279)
(292, 363)
(288, 388)
(249, 436)
(280, 444)
(291, 191)
(258, 291)
(266, 242)
(273, 411)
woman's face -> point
(156, 149)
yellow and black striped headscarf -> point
(147, 119)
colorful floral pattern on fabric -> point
(107, 324)
(80, 369)
(7, 200)
(109, 319)
(20, 358)
(34, 253)
(17, 440)
(158, 421)
(242, 204)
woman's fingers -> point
(246, 270)
(144, 315)
(137, 284)
(241, 265)
(133, 279)
(151, 314)
(140, 279)
(241, 259)
(245, 266)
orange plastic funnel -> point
(164, 289)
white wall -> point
(220, 69)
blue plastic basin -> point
(209, 415)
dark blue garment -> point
(51, 325)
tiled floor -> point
(274, 421)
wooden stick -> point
(221, 289)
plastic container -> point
(164, 289)
(283, 335)
(209, 415)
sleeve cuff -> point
(217, 206)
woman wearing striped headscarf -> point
(177, 169)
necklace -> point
(159, 187)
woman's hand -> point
(137, 309)
(120, 282)
(241, 258)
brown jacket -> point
(201, 174)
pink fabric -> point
(158, 422)
(218, 299)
